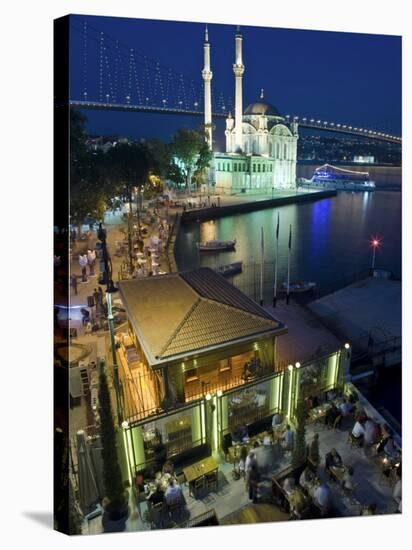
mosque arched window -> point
(277, 150)
(285, 150)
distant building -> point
(104, 143)
(368, 159)
(261, 147)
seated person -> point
(314, 450)
(333, 458)
(173, 492)
(390, 449)
(309, 402)
(287, 439)
(371, 432)
(331, 395)
(267, 440)
(289, 485)
(277, 420)
(157, 496)
(397, 491)
(345, 408)
(360, 415)
(322, 498)
(347, 483)
(306, 478)
(369, 510)
(168, 468)
(358, 431)
(239, 433)
(331, 415)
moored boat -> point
(298, 286)
(216, 246)
(229, 269)
(332, 177)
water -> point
(330, 237)
(330, 241)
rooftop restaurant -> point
(204, 396)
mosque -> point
(260, 145)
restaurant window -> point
(224, 365)
(168, 437)
(258, 167)
(235, 167)
(249, 405)
(191, 375)
(219, 167)
(254, 167)
(264, 167)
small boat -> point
(229, 269)
(298, 286)
(216, 246)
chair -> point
(156, 515)
(196, 486)
(354, 441)
(337, 423)
(175, 505)
(211, 481)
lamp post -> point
(106, 268)
(375, 243)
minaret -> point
(238, 69)
(207, 77)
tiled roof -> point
(210, 323)
(178, 314)
(209, 284)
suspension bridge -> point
(116, 77)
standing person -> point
(287, 439)
(83, 265)
(73, 283)
(314, 450)
(96, 298)
(91, 260)
(253, 480)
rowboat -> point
(216, 246)
(229, 269)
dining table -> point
(200, 469)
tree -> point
(87, 197)
(112, 477)
(191, 152)
(299, 450)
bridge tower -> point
(238, 69)
(207, 78)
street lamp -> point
(375, 243)
(106, 268)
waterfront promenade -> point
(227, 205)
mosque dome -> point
(262, 107)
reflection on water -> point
(330, 237)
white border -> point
(26, 279)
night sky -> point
(339, 77)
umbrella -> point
(88, 492)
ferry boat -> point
(298, 286)
(230, 269)
(216, 246)
(332, 177)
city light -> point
(347, 346)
